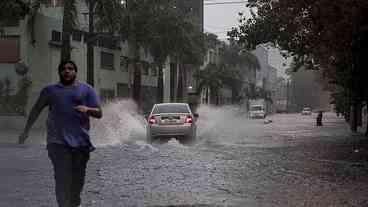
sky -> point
(221, 17)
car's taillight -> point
(152, 120)
(188, 119)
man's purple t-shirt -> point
(66, 125)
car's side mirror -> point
(196, 115)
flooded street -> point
(235, 162)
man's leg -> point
(80, 159)
(61, 159)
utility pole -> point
(287, 95)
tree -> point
(319, 34)
(10, 10)
(231, 68)
(175, 35)
(211, 80)
(159, 28)
(135, 30)
(69, 17)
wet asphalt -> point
(287, 161)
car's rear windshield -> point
(175, 108)
(306, 109)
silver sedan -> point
(168, 120)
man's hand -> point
(22, 138)
(81, 108)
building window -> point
(107, 61)
(54, 3)
(55, 36)
(122, 90)
(145, 68)
(77, 36)
(10, 22)
(124, 63)
(154, 71)
(108, 42)
(10, 52)
(107, 94)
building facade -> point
(33, 59)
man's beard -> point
(66, 82)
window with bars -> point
(154, 71)
(77, 36)
(107, 61)
(55, 36)
(145, 68)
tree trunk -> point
(67, 28)
(366, 117)
(180, 84)
(366, 127)
(134, 55)
(354, 117)
(90, 44)
(134, 71)
(160, 85)
(137, 84)
(176, 86)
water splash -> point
(226, 125)
(121, 123)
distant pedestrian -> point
(319, 118)
(70, 103)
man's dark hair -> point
(64, 62)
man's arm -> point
(95, 112)
(40, 104)
(92, 106)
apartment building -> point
(34, 59)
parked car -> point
(167, 120)
(306, 111)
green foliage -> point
(108, 14)
(212, 76)
(13, 10)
